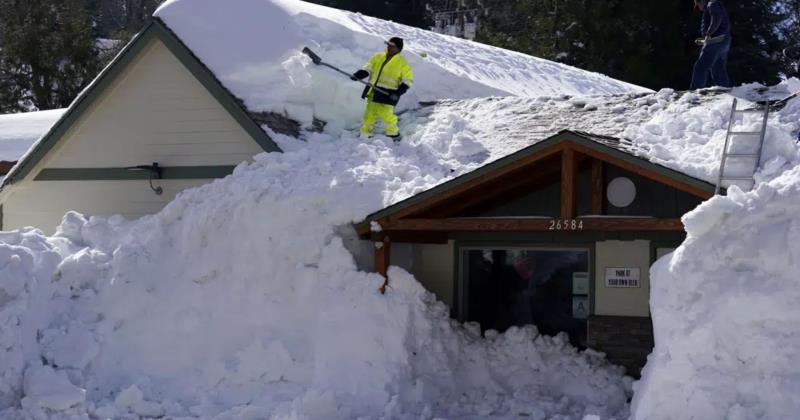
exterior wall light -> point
(155, 173)
(621, 192)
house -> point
(19, 131)
(154, 122)
(560, 234)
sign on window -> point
(622, 277)
(580, 307)
(580, 283)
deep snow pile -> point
(19, 131)
(725, 311)
(724, 303)
(240, 300)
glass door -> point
(548, 287)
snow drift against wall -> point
(239, 300)
(725, 311)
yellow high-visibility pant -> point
(382, 111)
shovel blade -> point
(315, 58)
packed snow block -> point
(48, 388)
(725, 313)
(626, 340)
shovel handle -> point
(383, 91)
(317, 60)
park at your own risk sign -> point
(623, 277)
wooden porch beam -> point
(477, 224)
(598, 186)
(569, 184)
(382, 259)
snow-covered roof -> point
(503, 126)
(19, 131)
(254, 48)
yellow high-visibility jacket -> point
(388, 75)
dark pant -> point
(713, 59)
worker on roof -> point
(390, 76)
(715, 28)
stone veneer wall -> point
(626, 340)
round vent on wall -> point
(621, 192)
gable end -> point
(155, 30)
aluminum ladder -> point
(728, 157)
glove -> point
(359, 75)
(703, 41)
(402, 89)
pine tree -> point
(791, 31)
(409, 12)
(645, 43)
(47, 54)
(756, 51)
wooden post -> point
(598, 187)
(569, 180)
(382, 252)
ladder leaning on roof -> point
(729, 157)
(763, 108)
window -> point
(504, 287)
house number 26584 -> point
(569, 224)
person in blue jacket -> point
(715, 29)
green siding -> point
(652, 198)
(543, 202)
(111, 174)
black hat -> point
(398, 42)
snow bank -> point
(724, 304)
(240, 300)
(725, 311)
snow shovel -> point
(318, 61)
(709, 41)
